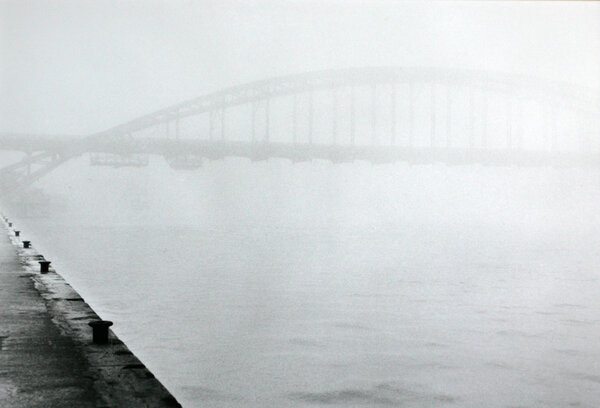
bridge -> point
(382, 114)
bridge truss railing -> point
(376, 114)
(261, 95)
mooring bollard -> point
(26, 244)
(9, 224)
(17, 233)
(44, 265)
(100, 330)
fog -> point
(83, 66)
(336, 238)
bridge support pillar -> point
(553, 132)
(223, 124)
(484, 124)
(393, 115)
(267, 120)
(295, 120)
(352, 116)
(334, 113)
(433, 118)
(310, 116)
(509, 125)
(471, 121)
(448, 118)
(374, 115)
(411, 114)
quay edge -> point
(118, 377)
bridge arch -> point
(46, 153)
(560, 95)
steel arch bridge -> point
(378, 114)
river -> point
(274, 284)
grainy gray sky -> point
(79, 66)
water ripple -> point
(385, 394)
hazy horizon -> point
(78, 67)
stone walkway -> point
(39, 366)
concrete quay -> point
(47, 354)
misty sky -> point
(85, 65)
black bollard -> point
(9, 224)
(100, 330)
(17, 233)
(44, 265)
(26, 244)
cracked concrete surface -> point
(47, 358)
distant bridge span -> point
(516, 86)
(412, 114)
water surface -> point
(359, 296)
